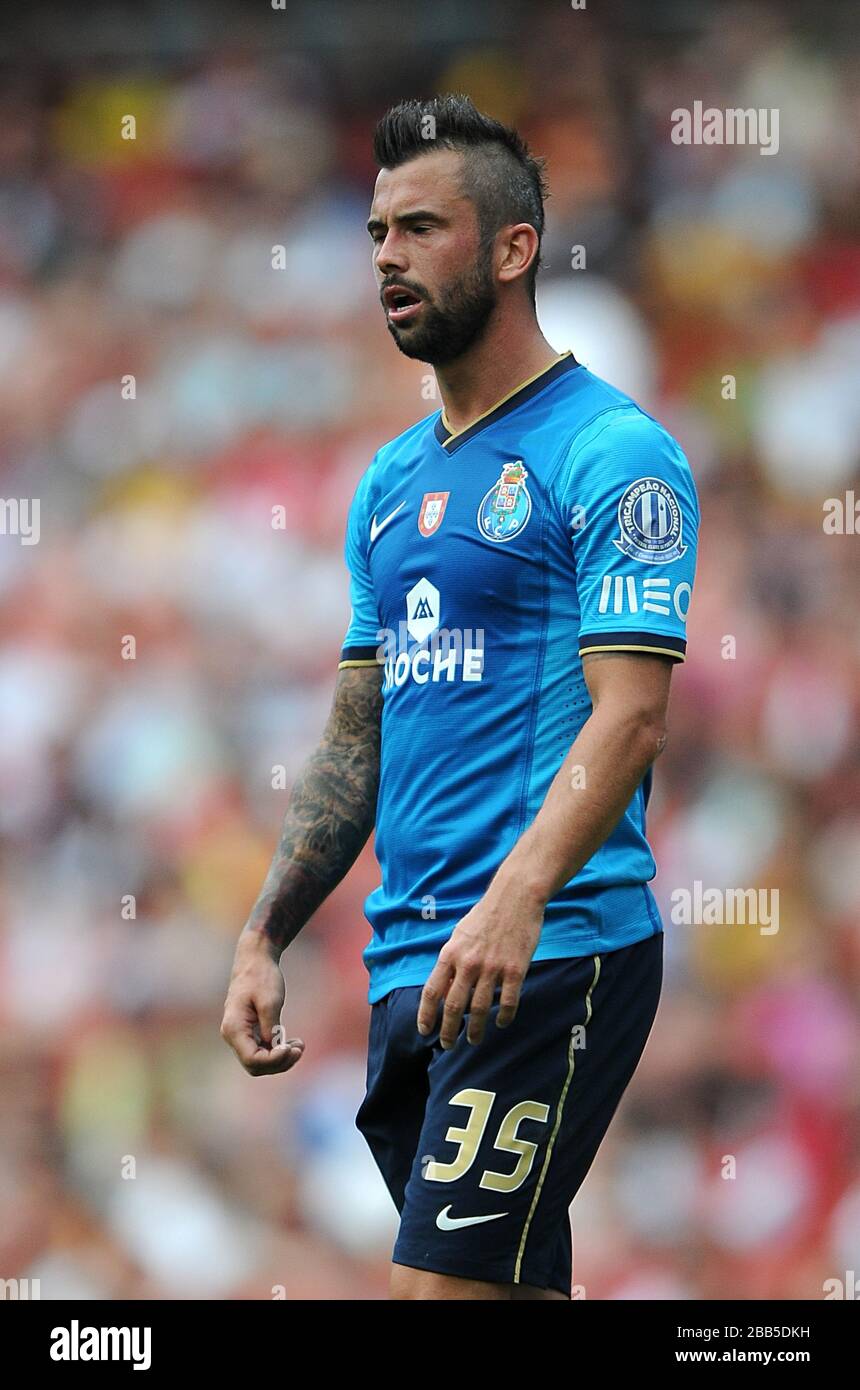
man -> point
(521, 567)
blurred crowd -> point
(168, 653)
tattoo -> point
(331, 811)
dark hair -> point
(503, 179)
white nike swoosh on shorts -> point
(453, 1223)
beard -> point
(448, 328)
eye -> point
(420, 230)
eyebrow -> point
(403, 218)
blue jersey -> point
(484, 565)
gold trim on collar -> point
(484, 414)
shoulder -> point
(614, 436)
(387, 460)
(389, 454)
(616, 420)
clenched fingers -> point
(259, 1055)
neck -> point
(508, 354)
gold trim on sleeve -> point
(615, 647)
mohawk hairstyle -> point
(500, 174)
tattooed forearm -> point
(331, 812)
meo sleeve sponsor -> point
(631, 506)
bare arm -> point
(331, 813)
(608, 759)
(494, 943)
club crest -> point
(506, 508)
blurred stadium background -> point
(257, 388)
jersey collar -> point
(451, 440)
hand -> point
(492, 944)
(252, 1011)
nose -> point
(390, 257)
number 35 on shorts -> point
(468, 1137)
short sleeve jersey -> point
(484, 565)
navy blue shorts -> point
(484, 1146)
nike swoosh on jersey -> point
(453, 1223)
(375, 529)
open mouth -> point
(401, 304)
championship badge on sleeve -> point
(649, 516)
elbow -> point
(644, 732)
(651, 735)
(662, 737)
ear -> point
(519, 247)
